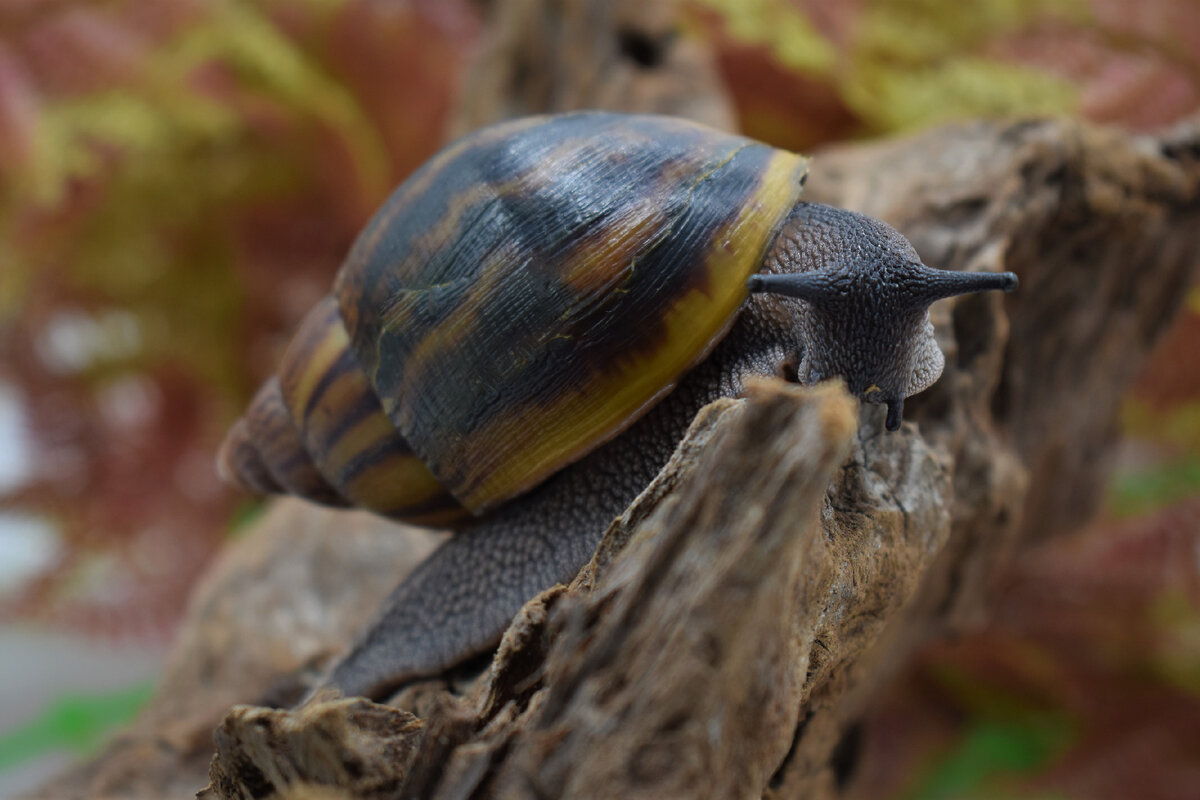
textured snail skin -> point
(522, 335)
(459, 600)
(866, 312)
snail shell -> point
(524, 297)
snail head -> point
(865, 315)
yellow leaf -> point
(781, 27)
(891, 99)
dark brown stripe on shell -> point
(240, 463)
(573, 239)
(282, 452)
(343, 427)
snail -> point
(520, 337)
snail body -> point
(523, 332)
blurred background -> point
(179, 180)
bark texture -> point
(739, 616)
(1101, 227)
(550, 55)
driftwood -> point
(707, 610)
(544, 55)
(737, 619)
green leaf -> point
(991, 750)
(76, 722)
(1161, 484)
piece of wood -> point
(278, 603)
(1101, 227)
(623, 55)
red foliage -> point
(123, 441)
(1171, 376)
(1135, 64)
(1096, 630)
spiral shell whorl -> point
(263, 453)
(239, 463)
(317, 430)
